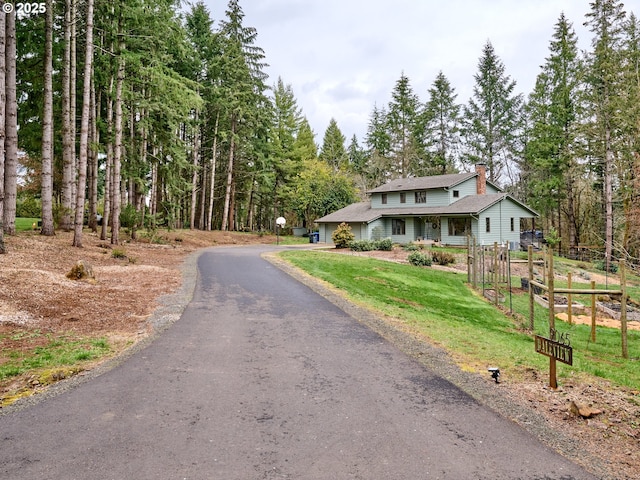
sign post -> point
(557, 349)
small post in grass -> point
(593, 312)
(623, 309)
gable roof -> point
(426, 183)
(469, 205)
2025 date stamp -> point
(25, 9)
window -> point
(513, 224)
(488, 224)
(398, 226)
(421, 197)
(456, 194)
(459, 227)
(403, 198)
(384, 198)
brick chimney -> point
(481, 179)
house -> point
(441, 208)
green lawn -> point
(24, 224)
(442, 307)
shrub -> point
(342, 236)
(362, 245)
(443, 258)
(118, 253)
(419, 259)
(386, 245)
(602, 265)
(411, 247)
(28, 207)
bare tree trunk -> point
(11, 129)
(68, 126)
(47, 127)
(608, 197)
(212, 182)
(93, 161)
(194, 177)
(73, 75)
(3, 100)
(227, 196)
(108, 187)
(84, 127)
(117, 150)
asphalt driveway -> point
(262, 378)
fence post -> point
(551, 294)
(570, 299)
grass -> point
(25, 224)
(35, 352)
(440, 306)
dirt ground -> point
(36, 296)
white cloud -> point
(342, 57)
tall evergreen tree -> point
(440, 127)
(333, 150)
(491, 117)
(378, 145)
(305, 145)
(554, 116)
(243, 79)
(3, 99)
(606, 21)
(47, 127)
(10, 128)
(402, 124)
(630, 161)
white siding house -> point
(441, 208)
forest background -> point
(149, 113)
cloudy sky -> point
(341, 57)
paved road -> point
(261, 378)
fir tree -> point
(491, 117)
(441, 127)
(402, 125)
(333, 147)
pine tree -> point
(553, 110)
(3, 248)
(378, 145)
(630, 162)
(333, 150)
(402, 124)
(605, 20)
(243, 76)
(10, 129)
(84, 127)
(305, 146)
(440, 127)
(490, 120)
(47, 127)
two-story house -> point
(441, 208)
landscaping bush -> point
(369, 245)
(419, 259)
(362, 245)
(411, 247)
(386, 245)
(443, 258)
(343, 236)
